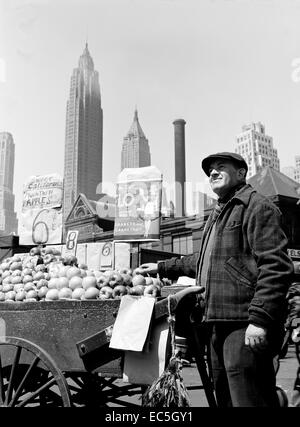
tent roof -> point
(271, 182)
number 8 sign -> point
(71, 241)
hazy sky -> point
(218, 64)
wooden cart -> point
(56, 353)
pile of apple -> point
(44, 274)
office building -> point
(257, 148)
(293, 172)
(8, 216)
(135, 148)
(84, 134)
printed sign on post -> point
(138, 210)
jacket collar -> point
(244, 194)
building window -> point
(183, 244)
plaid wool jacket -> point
(250, 272)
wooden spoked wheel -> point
(29, 376)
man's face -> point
(223, 176)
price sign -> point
(71, 242)
(294, 253)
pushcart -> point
(56, 353)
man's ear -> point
(242, 173)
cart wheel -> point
(29, 376)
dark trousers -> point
(241, 377)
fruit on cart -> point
(89, 282)
(29, 286)
(65, 293)
(16, 265)
(137, 290)
(42, 283)
(127, 279)
(73, 271)
(119, 291)
(35, 251)
(78, 293)
(18, 287)
(20, 295)
(125, 270)
(91, 293)
(138, 279)
(42, 291)
(149, 280)
(11, 295)
(115, 279)
(102, 281)
(70, 260)
(32, 293)
(44, 274)
(75, 282)
(52, 295)
(105, 292)
(52, 283)
(82, 266)
(7, 287)
(152, 290)
(62, 282)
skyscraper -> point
(84, 134)
(293, 171)
(8, 216)
(257, 148)
(135, 149)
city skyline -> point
(216, 64)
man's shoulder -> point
(258, 200)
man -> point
(244, 267)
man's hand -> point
(256, 337)
(148, 268)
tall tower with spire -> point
(135, 149)
(84, 134)
(8, 216)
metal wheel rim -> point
(9, 396)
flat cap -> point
(233, 157)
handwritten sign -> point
(43, 192)
(41, 217)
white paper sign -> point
(93, 255)
(81, 253)
(132, 323)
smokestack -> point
(179, 139)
